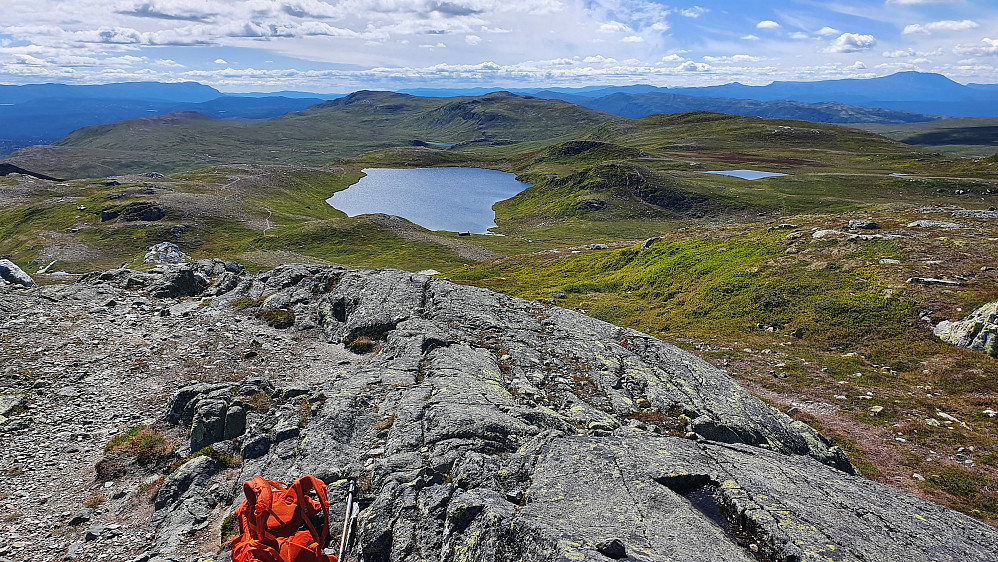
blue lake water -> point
(453, 199)
(747, 174)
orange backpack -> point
(271, 520)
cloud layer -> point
(340, 45)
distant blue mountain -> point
(44, 113)
(917, 92)
(176, 92)
(286, 94)
(649, 103)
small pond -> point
(747, 174)
(452, 199)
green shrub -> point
(142, 443)
(360, 344)
(210, 452)
(280, 319)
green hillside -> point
(325, 133)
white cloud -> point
(672, 57)
(614, 27)
(733, 58)
(905, 53)
(799, 35)
(944, 25)
(750, 37)
(852, 42)
(599, 59)
(633, 39)
(828, 31)
(986, 47)
(690, 66)
(694, 12)
(767, 24)
(169, 10)
(220, 61)
(472, 39)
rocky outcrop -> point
(137, 211)
(488, 428)
(165, 253)
(11, 273)
(171, 281)
(978, 331)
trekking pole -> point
(348, 517)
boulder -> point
(165, 253)
(11, 273)
(649, 242)
(142, 211)
(863, 224)
(935, 224)
(978, 331)
(180, 281)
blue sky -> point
(346, 45)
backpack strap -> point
(306, 484)
(259, 499)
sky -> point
(339, 46)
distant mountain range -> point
(637, 105)
(918, 92)
(44, 113)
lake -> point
(452, 199)
(747, 174)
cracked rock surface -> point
(482, 428)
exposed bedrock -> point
(488, 428)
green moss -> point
(280, 318)
(230, 527)
(243, 303)
(210, 452)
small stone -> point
(875, 410)
(93, 533)
(932, 422)
(918, 477)
(865, 225)
(612, 548)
